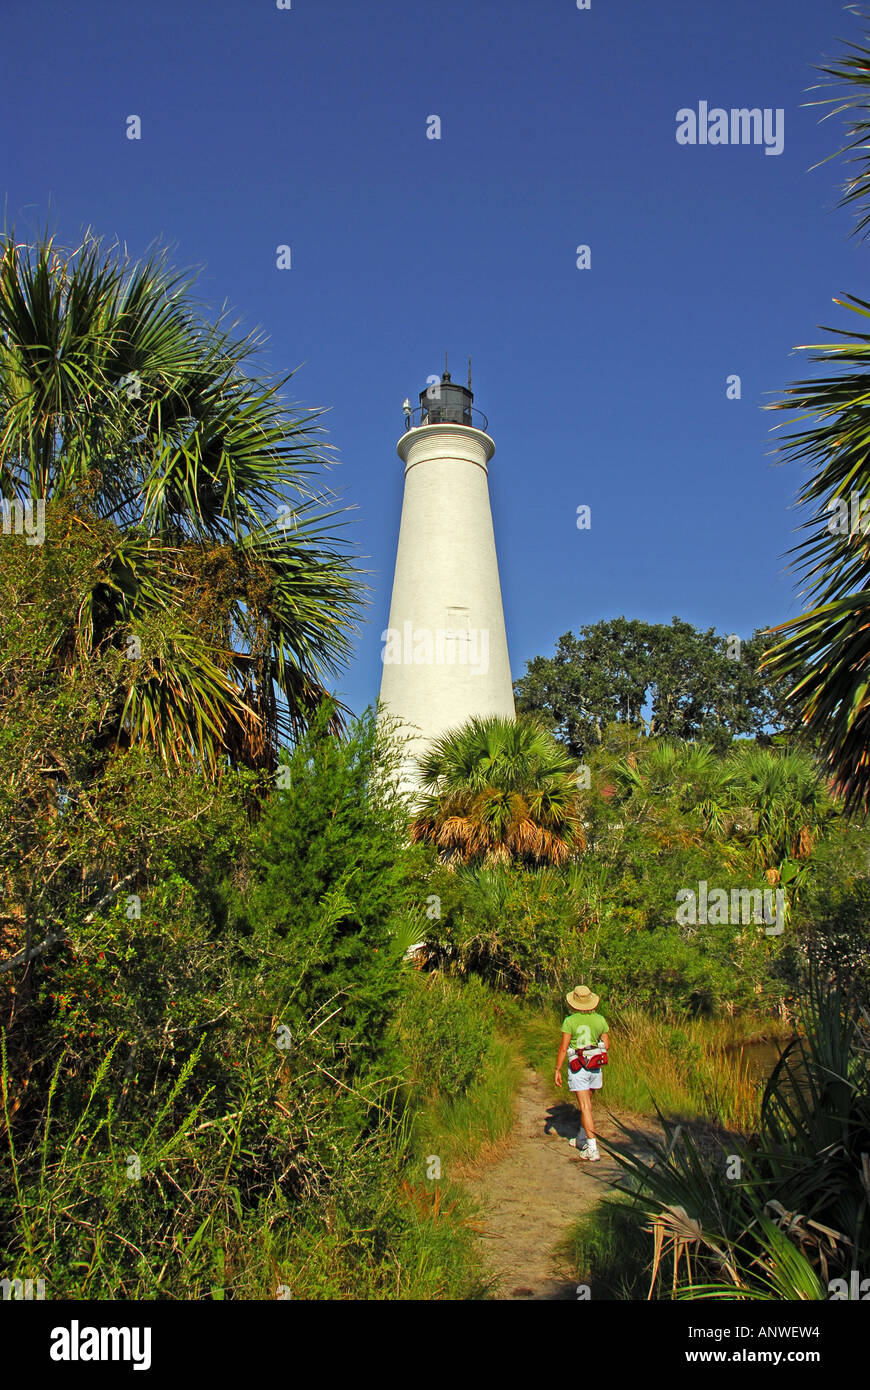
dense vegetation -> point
(212, 1073)
(255, 1011)
(222, 1074)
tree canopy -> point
(693, 684)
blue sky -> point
(604, 387)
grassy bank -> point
(692, 1070)
(384, 1216)
(472, 1126)
(437, 1257)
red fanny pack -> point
(588, 1059)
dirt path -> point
(536, 1189)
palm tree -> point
(497, 790)
(824, 654)
(782, 804)
(760, 806)
(139, 425)
(676, 788)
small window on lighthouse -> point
(456, 637)
(457, 624)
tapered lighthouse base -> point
(445, 650)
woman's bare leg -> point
(584, 1100)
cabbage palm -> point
(763, 805)
(824, 653)
(679, 796)
(497, 790)
(139, 424)
(783, 804)
(677, 785)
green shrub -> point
(329, 890)
(536, 932)
(514, 927)
(446, 1031)
(151, 1041)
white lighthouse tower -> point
(445, 651)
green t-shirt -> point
(585, 1029)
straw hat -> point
(582, 999)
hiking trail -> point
(537, 1187)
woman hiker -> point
(583, 1028)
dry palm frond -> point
(811, 1237)
(683, 1233)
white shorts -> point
(584, 1080)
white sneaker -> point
(589, 1150)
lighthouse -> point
(444, 653)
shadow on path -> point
(564, 1120)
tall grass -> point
(173, 1206)
(692, 1071)
(473, 1125)
(86, 1194)
(90, 1224)
(449, 1132)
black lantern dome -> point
(446, 403)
